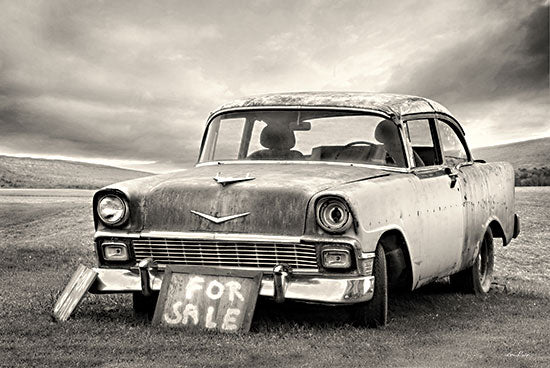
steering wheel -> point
(350, 144)
(358, 142)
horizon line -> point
(129, 164)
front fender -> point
(368, 226)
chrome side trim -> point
(319, 289)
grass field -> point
(44, 239)
(23, 172)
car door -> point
(473, 183)
(439, 232)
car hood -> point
(275, 201)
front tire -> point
(374, 313)
(477, 279)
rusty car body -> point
(335, 197)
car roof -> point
(386, 103)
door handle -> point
(452, 174)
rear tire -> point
(144, 306)
(374, 313)
(477, 278)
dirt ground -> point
(43, 239)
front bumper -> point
(316, 288)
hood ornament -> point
(230, 180)
(219, 220)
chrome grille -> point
(227, 254)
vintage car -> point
(336, 198)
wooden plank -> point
(74, 292)
(208, 298)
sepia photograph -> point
(240, 183)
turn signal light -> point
(115, 252)
(336, 258)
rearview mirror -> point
(300, 125)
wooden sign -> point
(74, 292)
(210, 298)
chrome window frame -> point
(457, 129)
(381, 114)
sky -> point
(132, 82)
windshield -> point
(303, 135)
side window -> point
(420, 135)
(229, 139)
(453, 150)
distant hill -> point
(22, 172)
(526, 154)
(531, 160)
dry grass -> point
(43, 240)
(18, 172)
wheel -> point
(144, 306)
(374, 313)
(477, 278)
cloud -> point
(136, 80)
(494, 78)
(76, 82)
(505, 56)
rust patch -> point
(389, 104)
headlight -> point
(112, 209)
(333, 214)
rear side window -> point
(453, 149)
(420, 133)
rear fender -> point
(498, 232)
